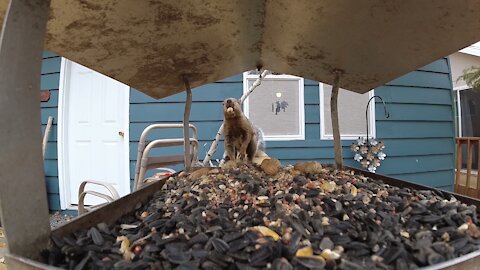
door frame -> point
(458, 107)
(62, 157)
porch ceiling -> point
(149, 45)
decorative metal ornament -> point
(369, 151)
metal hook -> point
(387, 115)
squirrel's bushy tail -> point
(261, 144)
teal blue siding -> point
(414, 129)
(50, 80)
(418, 135)
(438, 178)
(416, 95)
(424, 78)
(206, 115)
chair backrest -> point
(146, 162)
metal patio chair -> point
(82, 209)
(146, 162)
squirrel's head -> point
(231, 108)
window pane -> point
(351, 112)
(274, 106)
(470, 106)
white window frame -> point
(301, 107)
(473, 49)
(371, 121)
(459, 106)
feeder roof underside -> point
(150, 45)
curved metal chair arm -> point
(145, 132)
(82, 209)
(82, 193)
(167, 170)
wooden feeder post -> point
(186, 125)
(23, 195)
(335, 126)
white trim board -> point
(459, 114)
(473, 49)
(372, 126)
(61, 136)
(458, 106)
(301, 108)
(461, 88)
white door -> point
(93, 139)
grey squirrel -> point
(242, 139)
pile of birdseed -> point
(241, 218)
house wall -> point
(418, 135)
(50, 79)
(206, 115)
(459, 62)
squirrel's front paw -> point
(242, 157)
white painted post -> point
(23, 195)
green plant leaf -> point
(472, 77)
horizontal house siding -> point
(418, 135)
(206, 115)
(50, 81)
(420, 105)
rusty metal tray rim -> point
(21, 263)
(454, 262)
(408, 184)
